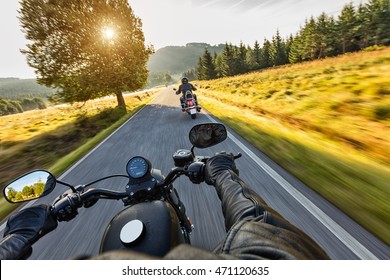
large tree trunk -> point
(121, 100)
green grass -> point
(327, 122)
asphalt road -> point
(156, 132)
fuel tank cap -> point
(131, 232)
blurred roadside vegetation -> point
(326, 121)
(56, 137)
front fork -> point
(185, 222)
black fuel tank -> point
(160, 231)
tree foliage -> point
(69, 52)
(8, 107)
(206, 68)
(354, 29)
(27, 193)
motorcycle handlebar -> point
(65, 208)
(194, 171)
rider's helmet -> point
(184, 80)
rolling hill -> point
(178, 59)
(15, 88)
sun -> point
(108, 33)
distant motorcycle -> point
(154, 219)
(190, 105)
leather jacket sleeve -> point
(179, 90)
(14, 247)
(256, 231)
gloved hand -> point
(31, 223)
(218, 163)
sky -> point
(177, 22)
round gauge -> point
(137, 167)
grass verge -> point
(323, 128)
(356, 186)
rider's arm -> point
(14, 247)
(254, 229)
(23, 229)
(179, 90)
(193, 88)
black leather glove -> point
(218, 163)
(31, 223)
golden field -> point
(327, 122)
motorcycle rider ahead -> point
(183, 88)
(254, 230)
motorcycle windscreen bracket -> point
(141, 190)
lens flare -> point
(108, 33)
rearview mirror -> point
(30, 186)
(207, 134)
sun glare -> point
(108, 33)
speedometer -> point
(137, 167)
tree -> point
(217, 60)
(240, 59)
(278, 50)
(257, 54)
(8, 107)
(324, 36)
(266, 59)
(378, 12)
(27, 191)
(227, 60)
(199, 69)
(87, 49)
(11, 193)
(288, 45)
(250, 59)
(38, 188)
(309, 44)
(346, 26)
(295, 54)
(207, 66)
(362, 28)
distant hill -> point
(178, 59)
(15, 88)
